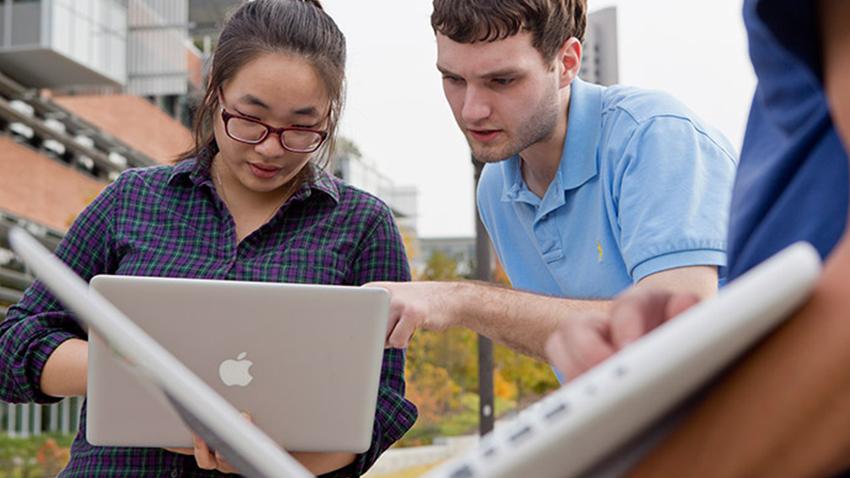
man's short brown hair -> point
(550, 22)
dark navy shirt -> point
(792, 176)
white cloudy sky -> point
(396, 113)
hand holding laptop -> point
(205, 457)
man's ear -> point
(568, 61)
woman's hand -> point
(205, 458)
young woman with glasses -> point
(250, 201)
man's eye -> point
(503, 81)
(453, 79)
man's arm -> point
(785, 411)
(522, 320)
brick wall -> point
(39, 188)
(133, 120)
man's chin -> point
(489, 155)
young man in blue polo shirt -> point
(785, 410)
(587, 191)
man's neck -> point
(539, 162)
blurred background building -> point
(600, 57)
(357, 170)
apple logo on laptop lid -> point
(235, 372)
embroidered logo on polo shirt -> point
(599, 251)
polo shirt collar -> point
(578, 158)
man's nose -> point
(476, 106)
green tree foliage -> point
(532, 378)
(441, 267)
(433, 391)
(39, 456)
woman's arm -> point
(43, 355)
(65, 372)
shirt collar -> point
(196, 171)
(578, 157)
(324, 182)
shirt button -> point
(175, 473)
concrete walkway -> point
(399, 459)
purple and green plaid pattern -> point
(168, 221)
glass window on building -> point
(25, 23)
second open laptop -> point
(303, 360)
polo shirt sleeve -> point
(38, 323)
(673, 191)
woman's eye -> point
(255, 118)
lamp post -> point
(486, 411)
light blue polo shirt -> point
(642, 187)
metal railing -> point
(44, 122)
(28, 419)
(23, 420)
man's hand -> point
(417, 305)
(582, 341)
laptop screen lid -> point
(303, 359)
(216, 421)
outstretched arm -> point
(522, 320)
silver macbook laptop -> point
(252, 452)
(589, 426)
(303, 360)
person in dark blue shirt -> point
(792, 181)
(785, 409)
